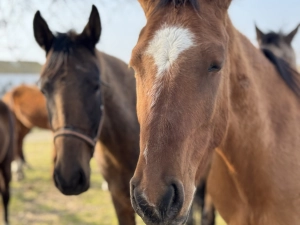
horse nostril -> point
(82, 179)
(167, 200)
(168, 206)
(78, 179)
(172, 201)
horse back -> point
(28, 105)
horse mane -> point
(178, 3)
(288, 74)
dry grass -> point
(36, 201)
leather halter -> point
(68, 131)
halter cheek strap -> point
(66, 131)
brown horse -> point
(90, 96)
(205, 92)
(279, 44)
(29, 107)
(7, 140)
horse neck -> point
(288, 54)
(120, 123)
(258, 101)
(291, 59)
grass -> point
(36, 201)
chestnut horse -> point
(206, 94)
(90, 96)
(7, 140)
(29, 107)
(279, 44)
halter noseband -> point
(69, 131)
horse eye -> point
(214, 67)
(45, 88)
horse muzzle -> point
(75, 184)
(166, 210)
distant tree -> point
(15, 16)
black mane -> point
(178, 3)
(288, 74)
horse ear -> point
(289, 38)
(224, 3)
(259, 34)
(145, 5)
(42, 33)
(92, 31)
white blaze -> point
(166, 46)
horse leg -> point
(207, 207)
(122, 203)
(202, 200)
(6, 175)
(205, 202)
(118, 185)
(208, 211)
(19, 158)
(190, 220)
(21, 135)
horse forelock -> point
(65, 47)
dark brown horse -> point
(29, 107)
(90, 96)
(7, 140)
(206, 94)
(279, 44)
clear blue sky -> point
(121, 25)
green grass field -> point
(36, 201)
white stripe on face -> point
(166, 46)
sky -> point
(122, 21)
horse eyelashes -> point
(214, 68)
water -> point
(10, 80)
